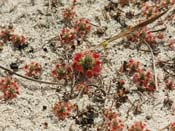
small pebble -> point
(44, 108)
(14, 66)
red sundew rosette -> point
(112, 121)
(33, 69)
(110, 115)
(138, 126)
(82, 27)
(68, 14)
(62, 110)
(4, 84)
(151, 12)
(144, 79)
(151, 86)
(66, 36)
(9, 88)
(61, 71)
(116, 125)
(12, 91)
(133, 66)
(87, 63)
(150, 39)
(18, 41)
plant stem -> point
(28, 78)
(153, 60)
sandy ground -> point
(39, 24)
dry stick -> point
(130, 30)
(153, 60)
(162, 29)
(28, 78)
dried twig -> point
(130, 30)
(153, 60)
(28, 78)
(162, 29)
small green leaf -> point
(105, 44)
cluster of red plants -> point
(87, 63)
(150, 37)
(9, 88)
(62, 109)
(62, 71)
(33, 69)
(138, 126)
(69, 13)
(131, 67)
(150, 10)
(8, 35)
(80, 28)
(112, 121)
(143, 79)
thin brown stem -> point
(131, 29)
(28, 78)
(153, 62)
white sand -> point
(25, 112)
